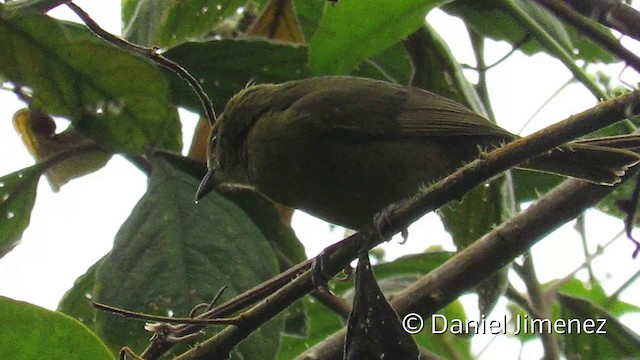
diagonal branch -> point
(586, 26)
(611, 13)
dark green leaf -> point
(123, 102)
(351, 31)
(309, 15)
(436, 69)
(322, 323)
(391, 65)
(614, 340)
(529, 185)
(30, 332)
(225, 67)
(595, 294)
(374, 329)
(622, 191)
(417, 264)
(168, 23)
(258, 208)
(17, 196)
(76, 302)
(172, 254)
(479, 212)
(450, 344)
(265, 217)
(28, 7)
(491, 19)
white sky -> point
(72, 229)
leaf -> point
(492, 20)
(438, 71)
(168, 23)
(123, 102)
(278, 21)
(479, 212)
(614, 340)
(322, 323)
(595, 294)
(28, 7)
(264, 215)
(17, 196)
(449, 344)
(309, 15)
(31, 332)
(257, 207)
(391, 64)
(351, 31)
(38, 135)
(416, 264)
(225, 67)
(529, 185)
(374, 330)
(172, 254)
(76, 302)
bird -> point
(343, 148)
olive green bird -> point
(343, 148)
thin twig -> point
(477, 43)
(154, 55)
(614, 296)
(165, 319)
(545, 103)
(540, 303)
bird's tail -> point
(601, 161)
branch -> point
(478, 261)
(153, 55)
(552, 46)
(612, 13)
(585, 25)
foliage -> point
(171, 255)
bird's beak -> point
(208, 184)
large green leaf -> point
(30, 332)
(595, 294)
(225, 67)
(481, 209)
(167, 23)
(172, 254)
(587, 340)
(26, 7)
(76, 302)
(491, 19)
(123, 102)
(17, 196)
(351, 31)
(417, 265)
(322, 323)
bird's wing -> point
(363, 107)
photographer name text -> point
(521, 324)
